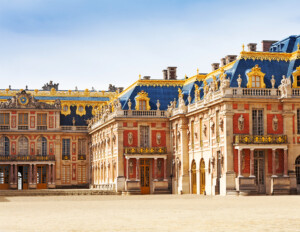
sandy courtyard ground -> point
(150, 213)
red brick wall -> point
(246, 124)
(135, 138)
(163, 138)
(247, 161)
(269, 124)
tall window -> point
(256, 82)
(66, 149)
(298, 121)
(23, 121)
(81, 174)
(257, 122)
(142, 105)
(66, 174)
(81, 146)
(23, 146)
(4, 145)
(298, 80)
(144, 136)
(297, 167)
(41, 121)
(4, 121)
(42, 146)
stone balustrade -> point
(260, 139)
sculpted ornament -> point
(239, 81)
(158, 138)
(275, 123)
(204, 129)
(273, 82)
(241, 122)
(130, 138)
(285, 86)
(157, 105)
(129, 104)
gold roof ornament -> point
(296, 74)
(243, 46)
(180, 94)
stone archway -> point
(194, 177)
(202, 176)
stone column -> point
(274, 163)
(251, 162)
(240, 163)
(34, 174)
(137, 168)
(285, 167)
(11, 174)
(107, 173)
(30, 174)
(16, 174)
(49, 174)
(165, 168)
(53, 173)
(155, 168)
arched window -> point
(4, 145)
(42, 146)
(297, 166)
(23, 146)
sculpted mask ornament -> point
(241, 122)
(275, 123)
(130, 138)
(158, 138)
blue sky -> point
(92, 43)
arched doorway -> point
(202, 176)
(194, 178)
(297, 169)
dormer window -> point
(142, 105)
(296, 78)
(256, 78)
(142, 101)
(255, 82)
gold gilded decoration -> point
(145, 150)
(65, 109)
(180, 94)
(260, 139)
(215, 82)
(255, 73)
(265, 56)
(296, 74)
(80, 109)
(142, 96)
(197, 92)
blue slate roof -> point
(287, 45)
(164, 94)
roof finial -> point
(140, 76)
(197, 71)
(243, 46)
(298, 46)
(185, 76)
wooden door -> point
(41, 176)
(25, 177)
(202, 177)
(145, 175)
(259, 171)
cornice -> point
(270, 56)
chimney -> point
(223, 61)
(172, 73)
(266, 44)
(230, 58)
(146, 77)
(215, 66)
(252, 47)
(165, 74)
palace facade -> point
(44, 140)
(235, 130)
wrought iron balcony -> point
(145, 150)
(81, 157)
(260, 139)
(27, 158)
